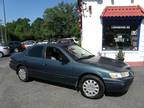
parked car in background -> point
(42, 42)
(4, 50)
(45, 41)
(74, 66)
(28, 43)
(76, 41)
(68, 40)
(16, 46)
(52, 40)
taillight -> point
(23, 46)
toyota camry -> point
(72, 65)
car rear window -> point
(36, 51)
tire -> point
(91, 87)
(23, 74)
(1, 54)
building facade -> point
(110, 25)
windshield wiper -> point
(86, 57)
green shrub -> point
(120, 55)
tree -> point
(22, 26)
(37, 28)
(19, 29)
(11, 26)
(60, 21)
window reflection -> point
(120, 37)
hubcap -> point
(22, 74)
(90, 88)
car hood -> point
(106, 63)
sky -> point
(27, 8)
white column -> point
(141, 39)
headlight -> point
(119, 75)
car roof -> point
(55, 44)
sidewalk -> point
(136, 64)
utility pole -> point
(1, 32)
(4, 13)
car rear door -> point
(35, 61)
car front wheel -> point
(23, 73)
(92, 87)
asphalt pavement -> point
(38, 94)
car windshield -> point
(78, 53)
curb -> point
(136, 64)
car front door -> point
(58, 68)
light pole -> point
(4, 13)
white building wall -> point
(122, 2)
(92, 29)
(141, 40)
(139, 2)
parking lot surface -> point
(38, 94)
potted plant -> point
(120, 55)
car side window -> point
(54, 54)
(36, 51)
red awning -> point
(122, 11)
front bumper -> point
(118, 85)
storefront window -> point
(120, 37)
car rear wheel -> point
(23, 73)
(92, 87)
(1, 54)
